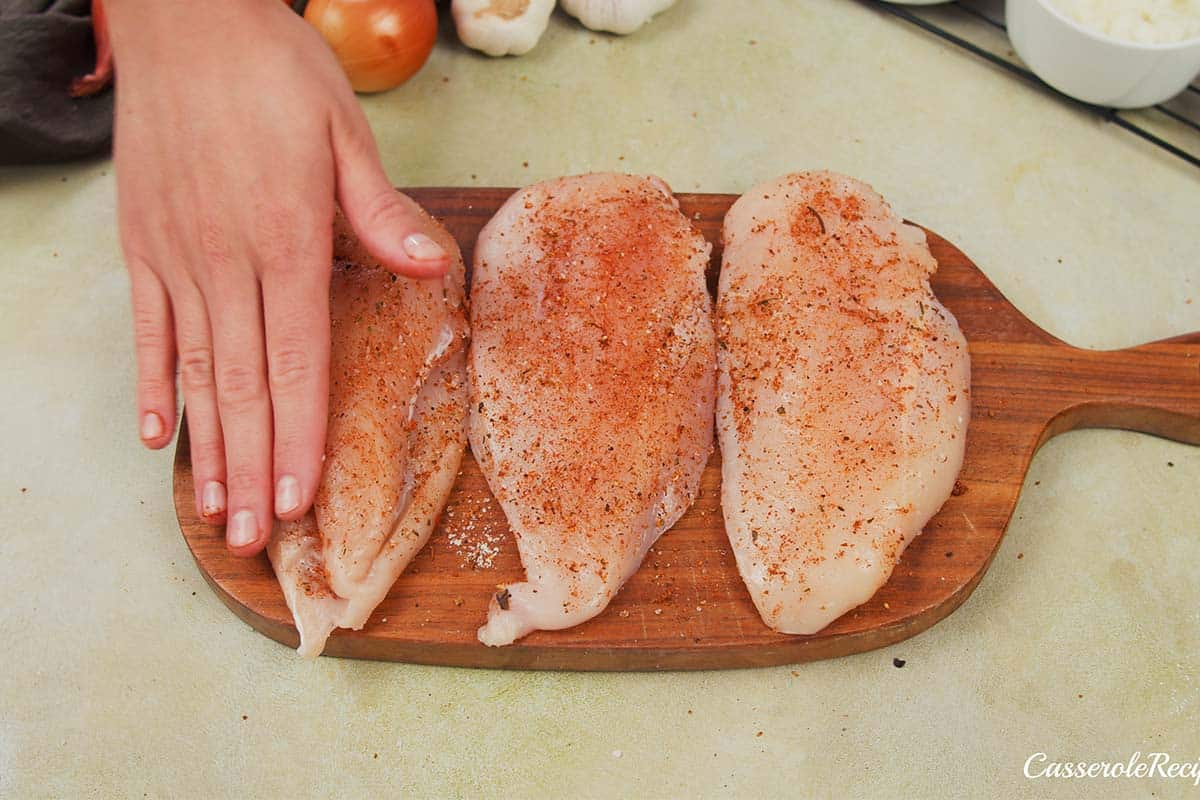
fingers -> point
(296, 311)
(388, 226)
(155, 347)
(244, 406)
(198, 381)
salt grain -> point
(473, 532)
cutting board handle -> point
(1153, 388)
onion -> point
(380, 43)
(99, 78)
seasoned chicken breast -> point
(592, 379)
(397, 414)
(842, 398)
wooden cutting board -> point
(686, 608)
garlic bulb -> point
(501, 27)
(615, 16)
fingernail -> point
(152, 426)
(421, 248)
(287, 494)
(243, 529)
(212, 499)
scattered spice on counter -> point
(1169, 464)
(898, 663)
(757, 735)
(1020, 556)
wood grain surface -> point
(686, 608)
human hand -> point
(235, 131)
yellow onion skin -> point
(380, 43)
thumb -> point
(388, 224)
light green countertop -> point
(122, 674)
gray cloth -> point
(44, 45)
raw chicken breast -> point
(397, 414)
(843, 394)
(593, 374)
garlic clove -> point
(501, 27)
(615, 16)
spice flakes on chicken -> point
(843, 394)
(592, 371)
(396, 437)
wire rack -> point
(977, 26)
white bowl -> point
(1096, 68)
